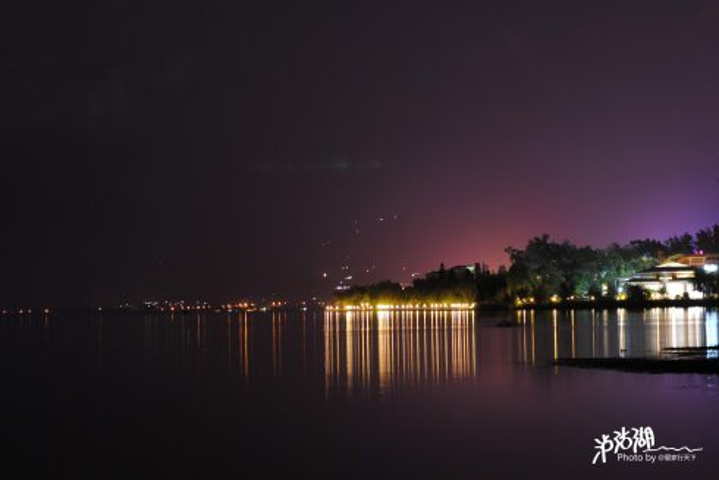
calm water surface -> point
(400, 395)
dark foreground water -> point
(290, 395)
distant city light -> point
(407, 306)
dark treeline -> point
(455, 285)
(545, 269)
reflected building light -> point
(711, 329)
(199, 331)
(398, 307)
(695, 324)
(392, 349)
(384, 349)
(658, 330)
(531, 321)
(243, 343)
(574, 334)
(349, 340)
(605, 336)
(622, 329)
(556, 335)
(522, 318)
(674, 329)
(594, 335)
(276, 343)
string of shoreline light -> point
(406, 306)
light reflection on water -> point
(392, 349)
(597, 334)
(402, 348)
(479, 389)
(376, 351)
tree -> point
(707, 283)
(491, 286)
(637, 294)
(545, 268)
(683, 244)
(707, 239)
(648, 248)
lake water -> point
(376, 395)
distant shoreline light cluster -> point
(409, 306)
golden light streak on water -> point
(531, 320)
(556, 338)
(388, 349)
(574, 335)
(594, 333)
(622, 327)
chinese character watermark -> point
(637, 444)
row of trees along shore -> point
(544, 270)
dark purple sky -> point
(181, 149)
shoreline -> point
(693, 365)
(487, 307)
(614, 304)
(564, 305)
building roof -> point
(668, 271)
(669, 267)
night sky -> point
(221, 150)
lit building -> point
(667, 280)
(708, 261)
(675, 280)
